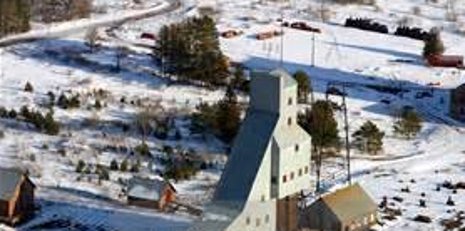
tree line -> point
(15, 15)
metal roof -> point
(350, 203)
(148, 189)
(9, 181)
(246, 156)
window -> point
(274, 180)
(289, 121)
(296, 148)
(284, 179)
(306, 169)
(289, 101)
(257, 222)
(247, 221)
(263, 198)
(292, 175)
(300, 172)
(267, 218)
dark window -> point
(289, 101)
(292, 175)
(274, 180)
(289, 121)
(296, 148)
(300, 172)
(284, 178)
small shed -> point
(150, 193)
(16, 196)
(445, 61)
(457, 103)
(348, 209)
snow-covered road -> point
(73, 27)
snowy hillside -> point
(360, 59)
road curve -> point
(73, 27)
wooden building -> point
(150, 193)
(457, 103)
(348, 209)
(16, 196)
(445, 61)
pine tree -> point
(191, 51)
(369, 138)
(124, 165)
(80, 166)
(320, 123)
(114, 165)
(304, 86)
(228, 116)
(28, 87)
(51, 127)
(433, 44)
(408, 125)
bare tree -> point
(92, 38)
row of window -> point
(300, 172)
(258, 220)
(366, 221)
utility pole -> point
(313, 49)
(282, 40)
(346, 128)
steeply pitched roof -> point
(147, 189)
(9, 181)
(350, 203)
(246, 156)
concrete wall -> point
(256, 216)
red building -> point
(16, 196)
(445, 61)
(150, 193)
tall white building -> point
(269, 162)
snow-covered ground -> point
(356, 57)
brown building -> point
(457, 103)
(445, 61)
(16, 196)
(150, 193)
(348, 209)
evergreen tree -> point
(433, 44)
(369, 138)
(80, 166)
(14, 16)
(408, 125)
(51, 127)
(28, 87)
(124, 165)
(304, 86)
(114, 165)
(191, 51)
(320, 123)
(228, 116)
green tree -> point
(433, 44)
(368, 138)
(80, 166)
(228, 116)
(304, 86)
(51, 127)
(408, 125)
(124, 165)
(114, 165)
(28, 87)
(320, 123)
(14, 16)
(190, 49)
